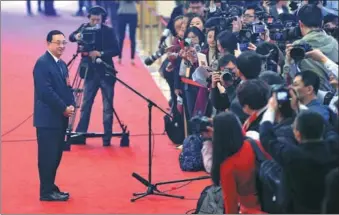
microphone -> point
(100, 61)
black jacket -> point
(304, 168)
(106, 42)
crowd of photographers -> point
(249, 75)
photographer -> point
(105, 47)
(310, 23)
(304, 165)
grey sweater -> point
(127, 7)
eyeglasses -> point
(59, 43)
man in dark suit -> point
(96, 75)
(53, 104)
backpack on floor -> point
(190, 158)
(210, 201)
(174, 127)
(268, 181)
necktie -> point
(61, 69)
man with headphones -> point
(95, 75)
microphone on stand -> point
(111, 68)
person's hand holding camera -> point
(288, 51)
(69, 111)
(273, 103)
(215, 79)
(317, 55)
(94, 54)
(78, 36)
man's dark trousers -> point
(50, 148)
(91, 88)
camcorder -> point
(199, 124)
(88, 38)
(250, 34)
(224, 16)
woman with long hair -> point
(233, 165)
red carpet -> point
(99, 179)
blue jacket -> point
(52, 94)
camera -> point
(156, 55)
(199, 124)
(88, 38)
(298, 51)
(282, 94)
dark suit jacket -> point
(106, 42)
(51, 93)
(304, 168)
(274, 11)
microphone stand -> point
(151, 188)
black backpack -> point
(210, 201)
(174, 127)
(268, 181)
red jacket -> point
(237, 177)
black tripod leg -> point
(123, 128)
(138, 194)
(168, 195)
(139, 197)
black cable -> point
(17, 126)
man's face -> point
(178, 28)
(57, 45)
(249, 17)
(197, 8)
(95, 19)
(220, 48)
(302, 90)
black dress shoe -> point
(64, 193)
(55, 196)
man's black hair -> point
(196, 1)
(224, 60)
(311, 16)
(254, 93)
(271, 78)
(310, 124)
(249, 64)
(265, 48)
(228, 41)
(310, 79)
(52, 33)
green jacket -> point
(329, 46)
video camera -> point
(88, 38)
(199, 124)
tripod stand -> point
(79, 137)
(151, 188)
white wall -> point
(165, 8)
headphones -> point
(98, 10)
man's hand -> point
(317, 55)
(288, 51)
(208, 133)
(178, 92)
(94, 54)
(273, 103)
(215, 79)
(69, 111)
(77, 36)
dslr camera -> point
(298, 52)
(88, 38)
(199, 124)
